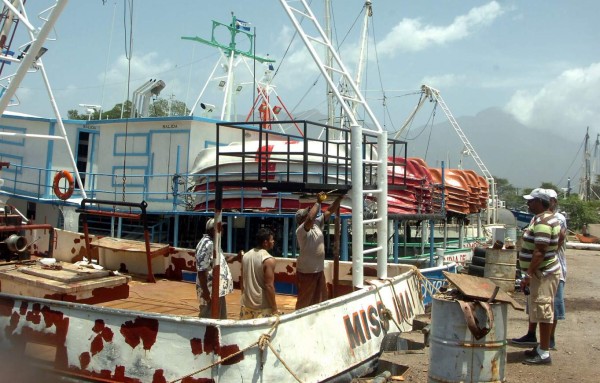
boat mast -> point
(329, 63)
(231, 56)
(363, 47)
(315, 43)
(594, 171)
(361, 61)
(30, 58)
(585, 184)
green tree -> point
(74, 115)
(508, 193)
(115, 112)
(579, 212)
(159, 108)
(550, 185)
(162, 107)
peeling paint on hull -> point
(318, 342)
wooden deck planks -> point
(179, 298)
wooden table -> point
(128, 245)
(69, 283)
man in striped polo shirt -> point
(539, 261)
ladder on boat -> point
(336, 73)
(30, 57)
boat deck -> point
(179, 298)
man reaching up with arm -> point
(311, 261)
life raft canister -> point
(64, 195)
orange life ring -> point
(56, 188)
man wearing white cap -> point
(204, 277)
(530, 339)
(539, 261)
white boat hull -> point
(317, 343)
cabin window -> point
(31, 208)
(82, 155)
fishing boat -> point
(523, 218)
(137, 212)
(587, 238)
(333, 341)
(62, 306)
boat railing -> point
(37, 184)
(182, 192)
(316, 159)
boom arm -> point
(492, 207)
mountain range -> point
(524, 156)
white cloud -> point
(412, 35)
(142, 67)
(298, 68)
(569, 101)
(444, 81)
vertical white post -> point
(357, 206)
(382, 211)
(226, 112)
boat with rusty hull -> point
(80, 334)
(84, 327)
(332, 341)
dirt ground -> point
(577, 358)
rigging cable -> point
(288, 47)
(112, 29)
(128, 55)
(364, 8)
(430, 120)
(572, 162)
(386, 110)
(316, 81)
(430, 131)
(349, 29)
(410, 119)
(254, 89)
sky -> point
(537, 59)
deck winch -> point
(16, 243)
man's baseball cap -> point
(552, 193)
(210, 224)
(538, 193)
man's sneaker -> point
(531, 353)
(528, 340)
(537, 359)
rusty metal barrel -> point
(500, 268)
(461, 353)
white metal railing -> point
(334, 72)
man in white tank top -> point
(309, 266)
(258, 279)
